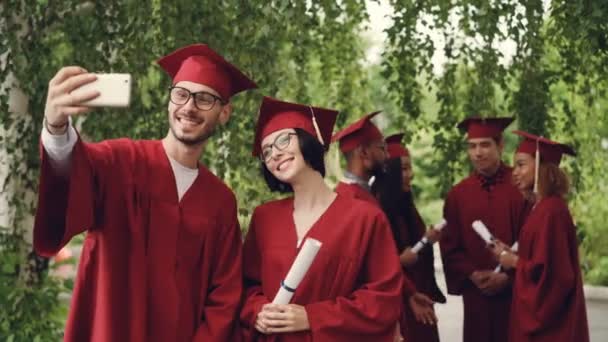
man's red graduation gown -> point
(502, 208)
(351, 292)
(422, 273)
(548, 301)
(353, 190)
(356, 191)
(152, 268)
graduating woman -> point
(394, 193)
(352, 290)
(548, 301)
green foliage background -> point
(312, 52)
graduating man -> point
(487, 195)
(364, 148)
(161, 259)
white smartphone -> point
(114, 89)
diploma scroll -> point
(514, 250)
(483, 231)
(424, 241)
(297, 271)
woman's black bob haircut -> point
(313, 153)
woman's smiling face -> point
(282, 155)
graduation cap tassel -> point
(314, 123)
(536, 167)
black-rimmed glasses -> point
(202, 100)
(281, 142)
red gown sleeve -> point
(220, 311)
(456, 265)
(409, 288)
(66, 206)
(547, 278)
(254, 295)
(372, 308)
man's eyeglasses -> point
(281, 142)
(202, 99)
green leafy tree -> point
(554, 84)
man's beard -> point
(193, 141)
(378, 169)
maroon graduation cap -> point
(276, 115)
(477, 127)
(198, 63)
(358, 133)
(394, 146)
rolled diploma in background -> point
(514, 250)
(297, 271)
(483, 231)
(424, 241)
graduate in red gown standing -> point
(548, 300)
(487, 195)
(161, 260)
(394, 192)
(352, 290)
(363, 146)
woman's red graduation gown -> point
(152, 268)
(548, 301)
(352, 292)
(422, 273)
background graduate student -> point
(394, 192)
(487, 195)
(364, 149)
(548, 299)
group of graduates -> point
(163, 258)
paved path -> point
(450, 320)
(450, 314)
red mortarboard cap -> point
(361, 132)
(198, 63)
(395, 148)
(276, 115)
(550, 151)
(477, 127)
